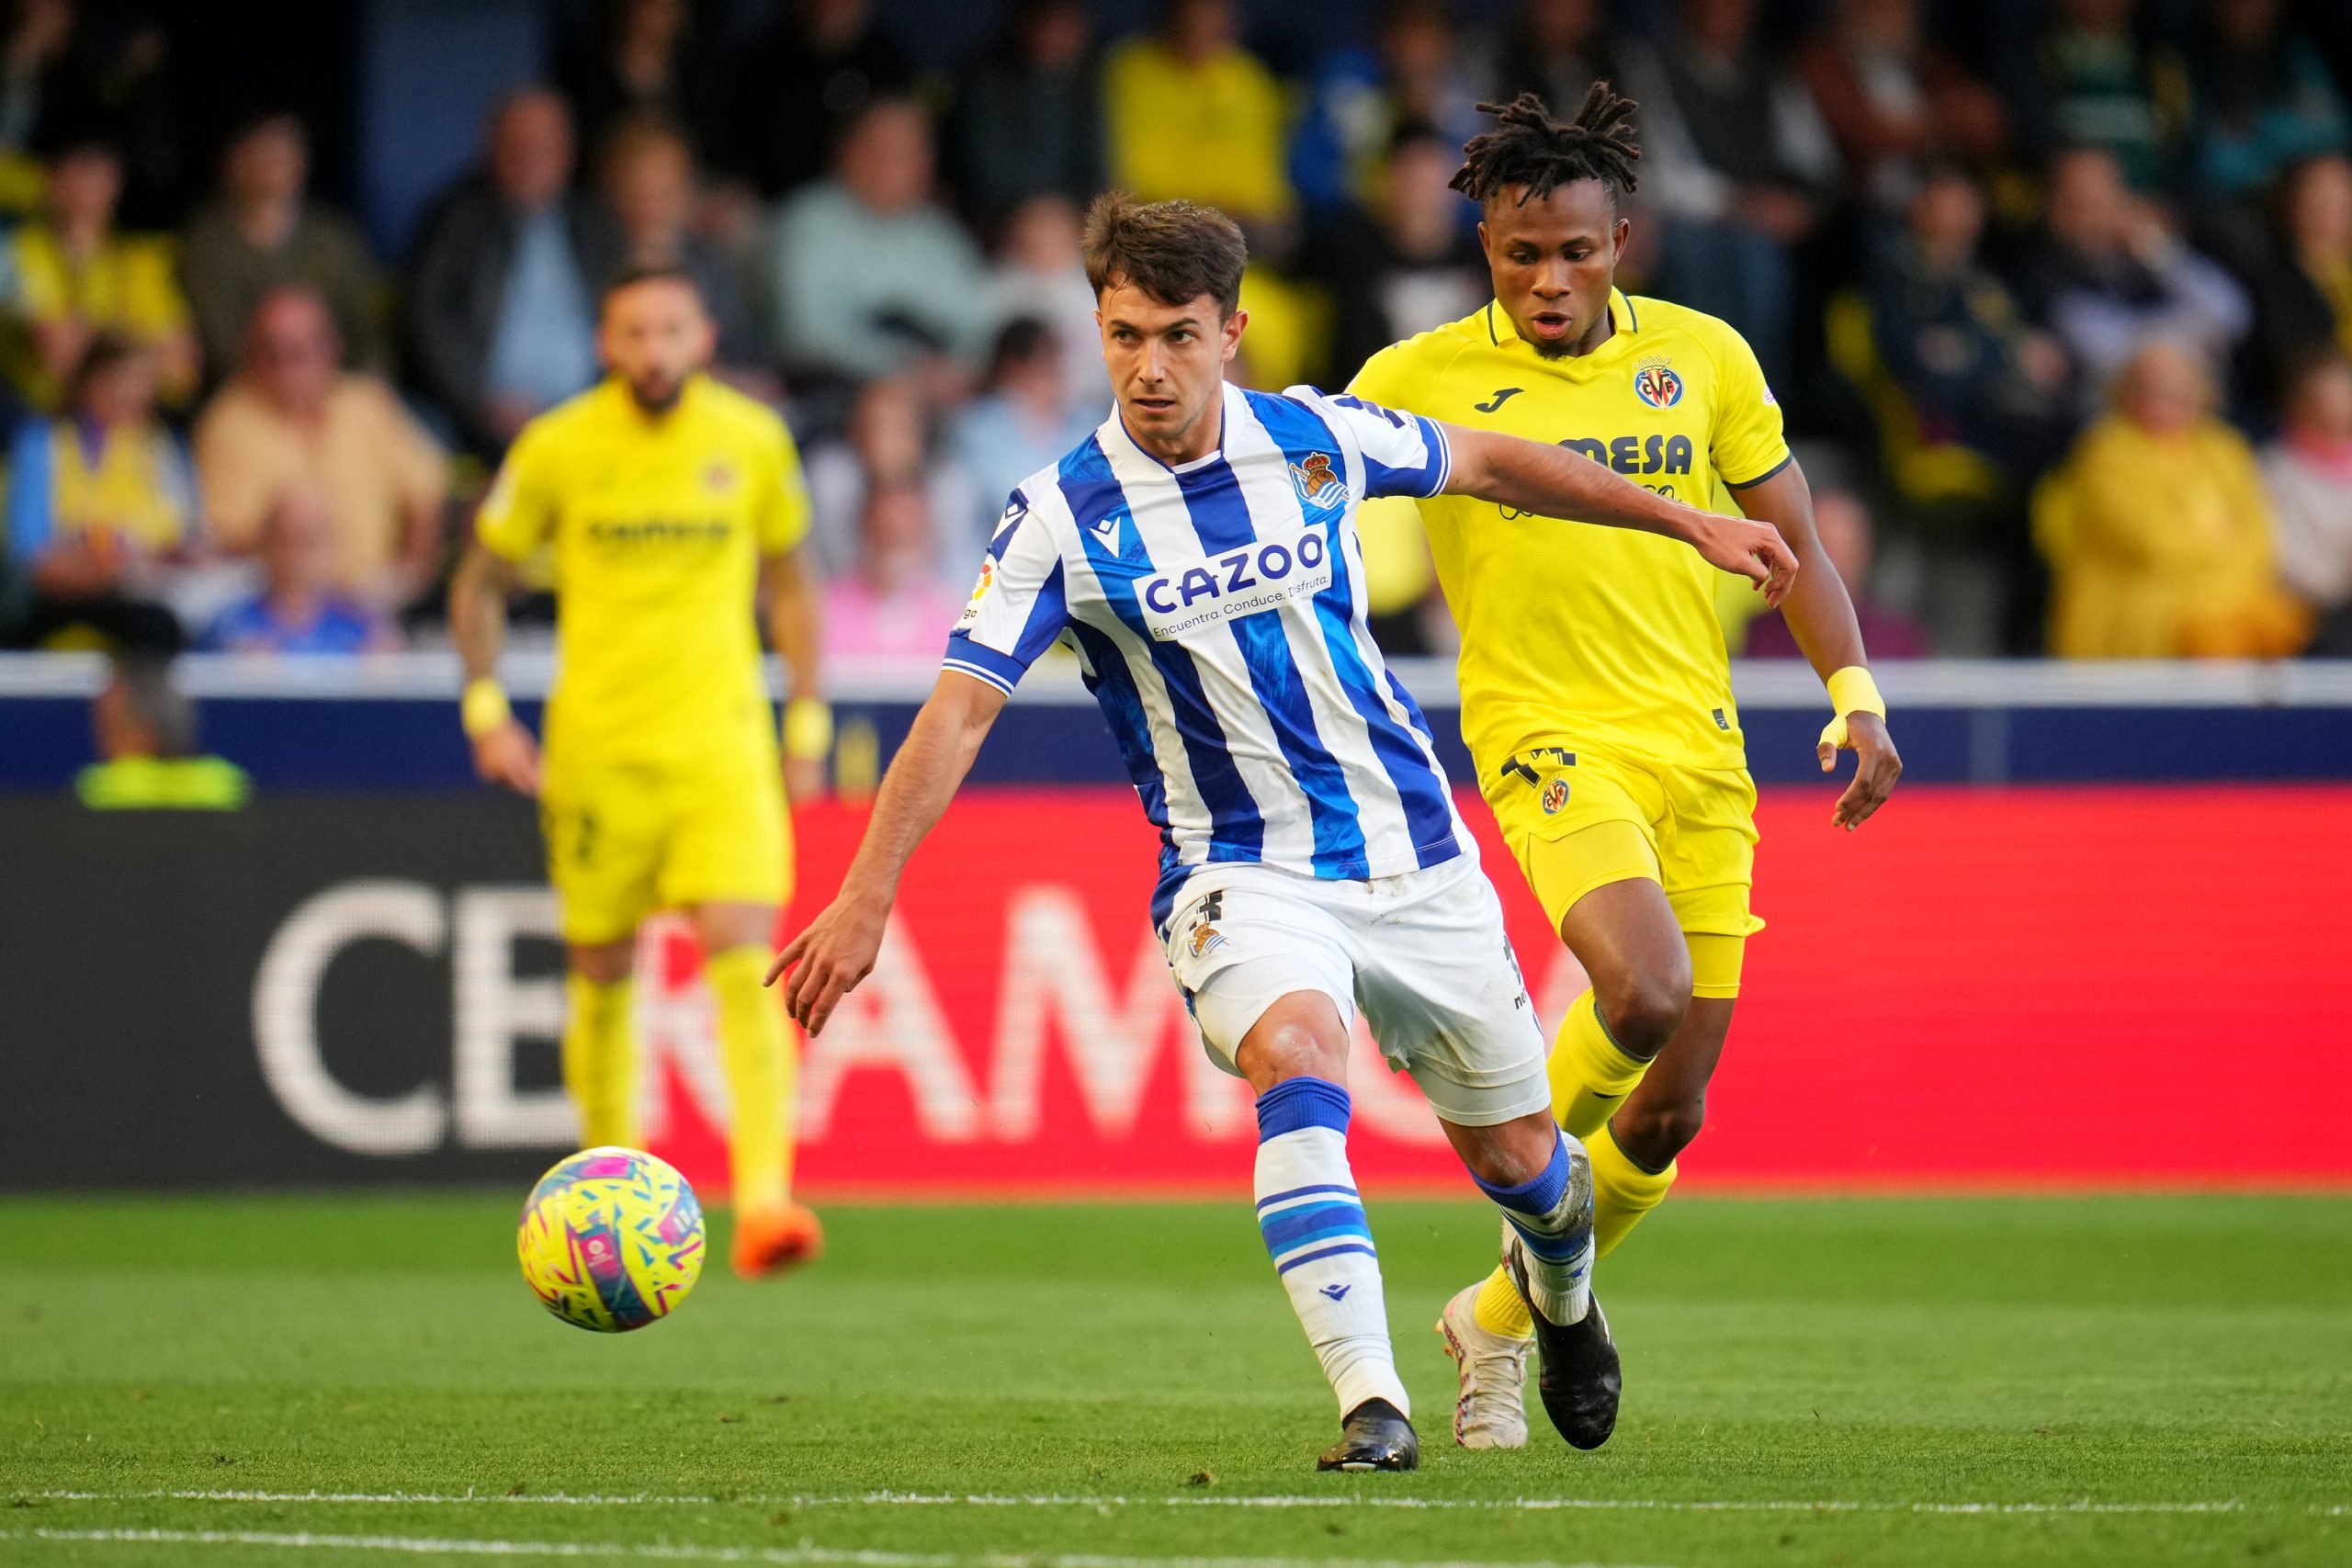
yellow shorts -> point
(1578, 820)
(625, 840)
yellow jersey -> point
(657, 525)
(1578, 636)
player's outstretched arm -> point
(1551, 481)
(504, 750)
(837, 950)
(1821, 617)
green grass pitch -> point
(322, 1381)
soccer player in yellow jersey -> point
(667, 501)
(1596, 690)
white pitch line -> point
(807, 1552)
(999, 1500)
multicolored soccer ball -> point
(612, 1239)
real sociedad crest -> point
(1657, 384)
(1320, 489)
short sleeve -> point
(782, 521)
(1747, 445)
(518, 516)
(1018, 606)
(1404, 454)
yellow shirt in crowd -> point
(127, 287)
(2160, 547)
(657, 528)
(1572, 635)
(1211, 132)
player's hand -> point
(804, 780)
(1753, 549)
(831, 956)
(507, 755)
(1876, 770)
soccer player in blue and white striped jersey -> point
(1199, 551)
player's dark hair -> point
(1173, 251)
(649, 272)
(1531, 151)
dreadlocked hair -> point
(1530, 149)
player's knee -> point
(602, 964)
(1656, 1135)
(1647, 1009)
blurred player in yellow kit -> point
(668, 502)
(1596, 690)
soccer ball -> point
(611, 1240)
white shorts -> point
(1423, 954)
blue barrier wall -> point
(392, 723)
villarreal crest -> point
(1656, 384)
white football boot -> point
(1490, 1410)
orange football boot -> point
(768, 1241)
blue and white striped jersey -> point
(1219, 613)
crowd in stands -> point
(2056, 294)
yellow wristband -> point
(1851, 690)
(483, 707)
(808, 729)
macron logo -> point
(1338, 1292)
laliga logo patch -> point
(1656, 384)
(1555, 796)
(971, 616)
(1317, 486)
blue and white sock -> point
(1314, 1230)
(1553, 1217)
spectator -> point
(2158, 530)
(1735, 157)
(1556, 49)
(501, 296)
(145, 731)
(98, 498)
(37, 65)
(648, 174)
(1972, 367)
(292, 421)
(1040, 272)
(76, 274)
(870, 276)
(2302, 282)
(802, 84)
(2308, 472)
(2263, 99)
(1891, 101)
(1024, 419)
(1405, 266)
(2093, 78)
(892, 439)
(261, 233)
(639, 59)
(1029, 120)
(896, 603)
(2110, 272)
(1361, 95)
(1847, 539)
(1194, 114)
(1403, 608)
(300, 609)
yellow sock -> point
(1622, 1192)
(1591, 1075)
(600, 1059)
(1499, 1308)
(761, 1063)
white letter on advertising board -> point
(286, 1017)
(494, 1009)
(892, 1021)
(1054, 976)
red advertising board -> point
(2052, 985)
